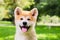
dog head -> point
(24, 20)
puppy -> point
(25, 24)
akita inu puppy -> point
(25, 24)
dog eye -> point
(21, 18)
(28, 19)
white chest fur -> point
(25, 36)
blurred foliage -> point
(49, 19)
(45, 7)
(45, 19)
(10, 5)
(55, 19)
(50, 7)
(7, 9)
(25, 3)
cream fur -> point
(30, 35)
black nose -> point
(24, 23)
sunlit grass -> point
(52, 36)
(47, 36)
(41, 36)
(5, 22)
(7, 32)
(7, 38)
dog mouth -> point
(24, 28)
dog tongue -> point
(24, 29)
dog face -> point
(24, 20)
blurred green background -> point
(48, 21)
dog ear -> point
(34, 12)
(17, 11)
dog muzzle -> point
(24, 28)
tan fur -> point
(25, 14)
(31, 34)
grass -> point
(43, 33)
(7, 32)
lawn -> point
(7, 31)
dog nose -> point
(24, 23)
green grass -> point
(44, 33)
(7, 32)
